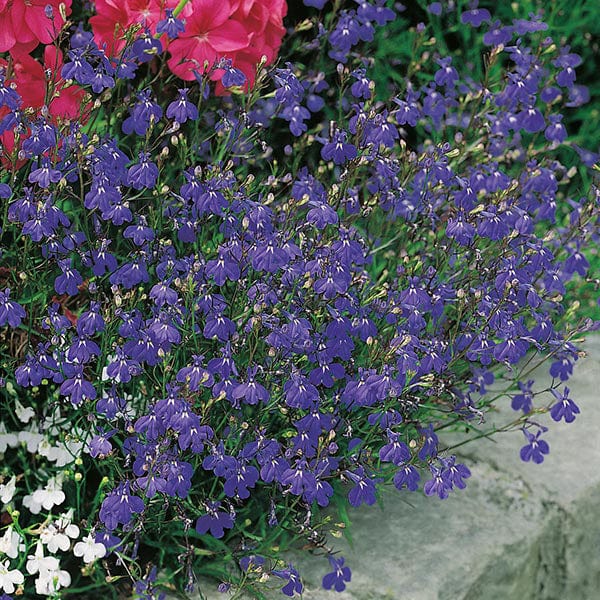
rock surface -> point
(519, 531)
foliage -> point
(231, 301)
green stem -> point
(180, 6)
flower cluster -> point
(42, 550)
(197, 33)
(214, 329)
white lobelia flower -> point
(9, 543)
(56, 535)
(50, 581)
(38, 563)
(45, 448)
(31, 438)
(61, 455)
(9, 578)
(7, 438)
(51, 495)
(24, 413)
(67, 452)
(33, 506)
(7, 490)
(89, 549)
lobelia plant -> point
(236, 292)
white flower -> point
(51, 580)
(7, 439)
(38, 562)
(31, 438)
(68, 451)
(89, 549)
(9, 543)
(56, 535)
(8, 578)
(7, 490)
(51, 495)
(45, 448)
(24, 414)
(33, 506)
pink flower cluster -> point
(241, 30)
(24, 24)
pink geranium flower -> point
(26, 23)
(241, 30)
(265, 21)
(114, 17)
(36, 91)
(211, 32)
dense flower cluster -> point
(214, 329)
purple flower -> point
(361, 88)
(182, 109)
(82, 350)
(45, 175)
(339, 576)
(300, 479)
(170, 25)
(215, 521)
(75, 387)
(251, 563)
(364, 489)
(267, 256)
(407, 476)
(455, 473)
(143, 174)
(142, 115)
(430, 443)
(145, 47)
(338, 149)
(447, 74)
(439, 484)
(562, 368)
(70, 279)
(531, 120)
(577, 263)
(395, 451)
(252, 392)
(293, 585)
(140, 233)
(220, 327)
(239, 480)
(100, 444)
(90, 321)
(476, 16)
(535, 448)
(524, 400)
(11, 312)
(555, 132)
(435, 8)
(109, 541)
(231, 76)
(564, 407)
(120, 506)
(498, 34)
(178, 475)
